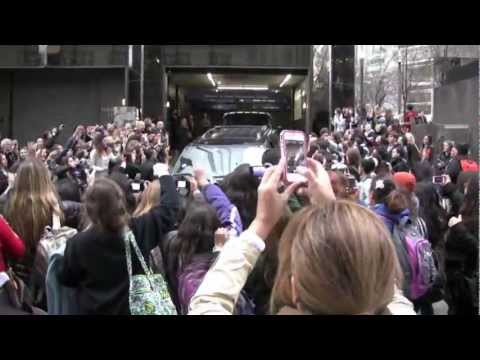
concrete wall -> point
(43, 98)
(235, 55)
(456, 106)
(203, 56)
(4, 102)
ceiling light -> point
(244, 87)
(288, 77)
(167, 105)
(276, 91)
(157, 60)
(124, 102)
(210, 77)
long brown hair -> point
(149, 199)
(33, 202)
(338, 266)
(106, 206)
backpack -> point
(469, 165)
(53, 241)
(418, 263)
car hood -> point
(217, 160)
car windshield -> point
(252, 119)
(218, 161)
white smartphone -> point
(294, 147)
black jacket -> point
(461, 268)
(454, 168)
(12, 158)
(413, 155)
(125, 184)
(183, 138)
(146, 170)
(451, 192)
(95, 262)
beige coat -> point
(221, 286)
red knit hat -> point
(405, 180)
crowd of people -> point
(378, 117)
(336, 242)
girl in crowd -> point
(32, 205)
(316, 247)
(413, 153)
(190, 253)
(149, 198)
(240, 187)
(100, 155)
(391, 206)
(353, 160)
(94, 261)
(461, 265)
(431, 212)
(3, 173)
(427, 149)
(445, 155)
(11, 246)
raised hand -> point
(221, 236)
(200, 176)
(319, 187)
(271, 203)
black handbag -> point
(18, 295)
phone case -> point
(283, 135)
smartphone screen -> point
(181, 184)
(135, 186)
(438, 179)
(294, 149)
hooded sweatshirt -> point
(395, 223)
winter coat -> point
(461, 268)
(192, 275)
(393, 222)
(226, 278)
(95, 263)
(11, 245)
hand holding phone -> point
(200, 176)
(319, 187)
(294, 148)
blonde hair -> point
(411, 140)
(339, 264)
(33, 202)
(149, 199)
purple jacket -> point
(190, 278)
(227, 212)
(389, 219)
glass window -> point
(87, 55)
(20, 55)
